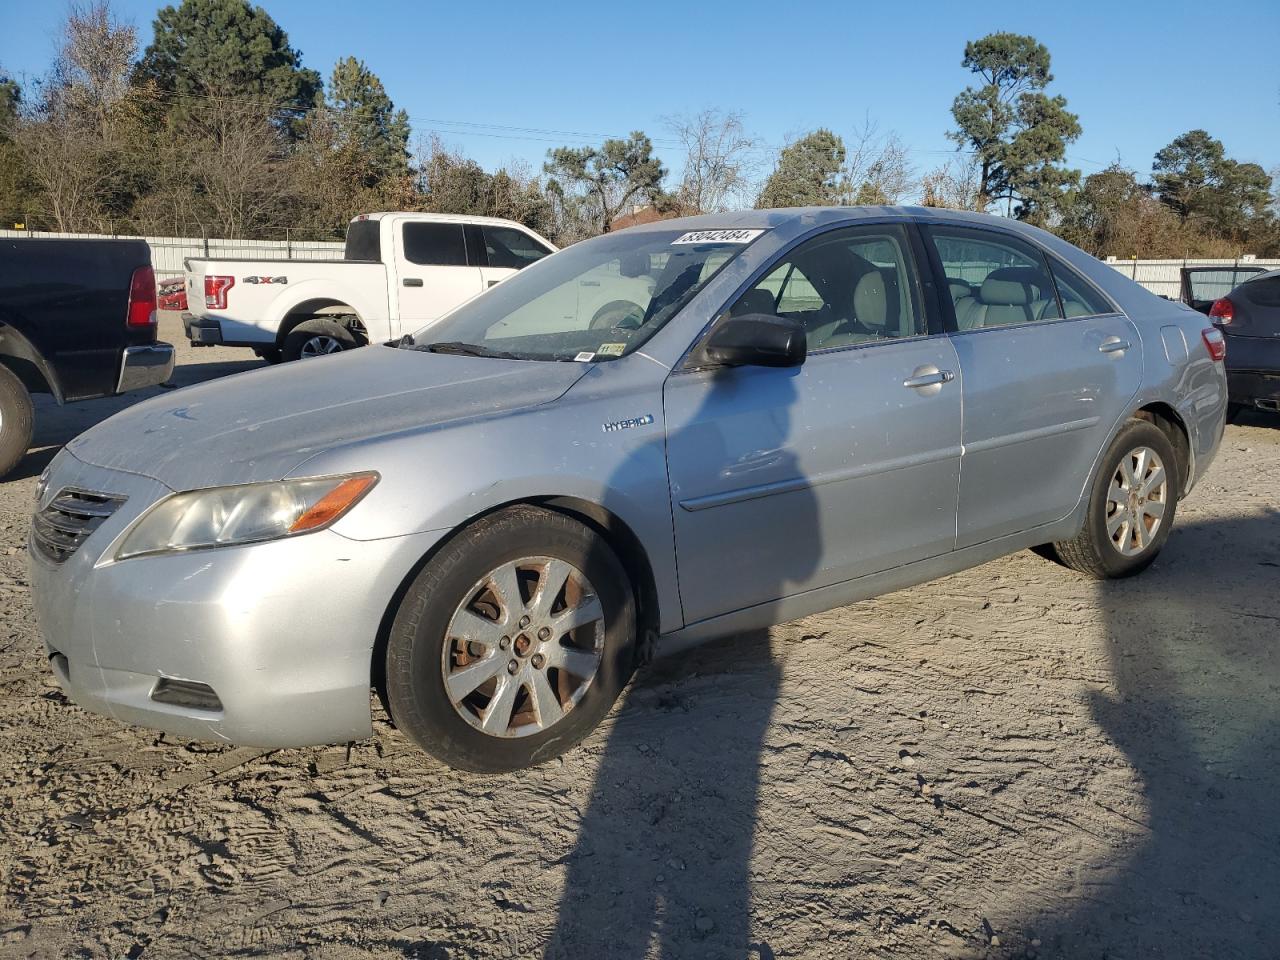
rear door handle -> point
(412, 281)
(1114, 345)
(928, 379)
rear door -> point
(505, 250)
(1048, 369)
(433, 271)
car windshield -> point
(597, 300)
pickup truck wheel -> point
(317, 338)
(269, 354)
(1131, 506)
(16, 419)
(512, 643)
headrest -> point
(959, 289)
(1012, 286)
(870, 300)
(756, 300)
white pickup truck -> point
(399, 272)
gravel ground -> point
(1010, 762)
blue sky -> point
(1137, 74)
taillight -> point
(142, 298)
(1222, 311)
(215, 291)
(1214, 342)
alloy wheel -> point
(320, 345)
(523, 647)
(1136, 501)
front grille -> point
(68, 520)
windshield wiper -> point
(466, 350)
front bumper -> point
(281, 632)
(202, 331)
(142, 367)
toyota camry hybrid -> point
(491, 522)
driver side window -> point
(846, 287)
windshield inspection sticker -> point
(717, 236)
(585, 356)
(611, 349)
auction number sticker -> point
(717, 236)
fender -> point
(13, 343)
(372, 314)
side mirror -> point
(758, 340)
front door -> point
(433, 272)
(1049, 366)
(784, 480)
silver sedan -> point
(491, 522)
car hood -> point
(263, 424)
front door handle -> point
(1113, 345)
(412, 281)
(928, 376)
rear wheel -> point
(269, 354)
(317, 338)
(17, 416)
(512, 643)
(1131, 507)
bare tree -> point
(878, 167)
(75, 140)
(955, 184)
(235, 157)
(720, 161)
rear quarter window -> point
(364, 242)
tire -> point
(618, 314)
(317, 337)
(17, 416)
(1098, 553)
(270, 354)
(452, 598)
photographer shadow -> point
(1195, 649)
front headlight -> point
(247, 513)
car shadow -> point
(1195, 650)
(662, 862)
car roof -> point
(796, 220)
(1265, 275)
(440, 218)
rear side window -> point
(364, 241)
(1263, 292)
(1078, 298)
(435, 244)
(995, 280)
(511, 248)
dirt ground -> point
(1010, 762)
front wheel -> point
(1131, 507)
(512, 643)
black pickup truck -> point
(77, 320)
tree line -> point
(216, 125)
